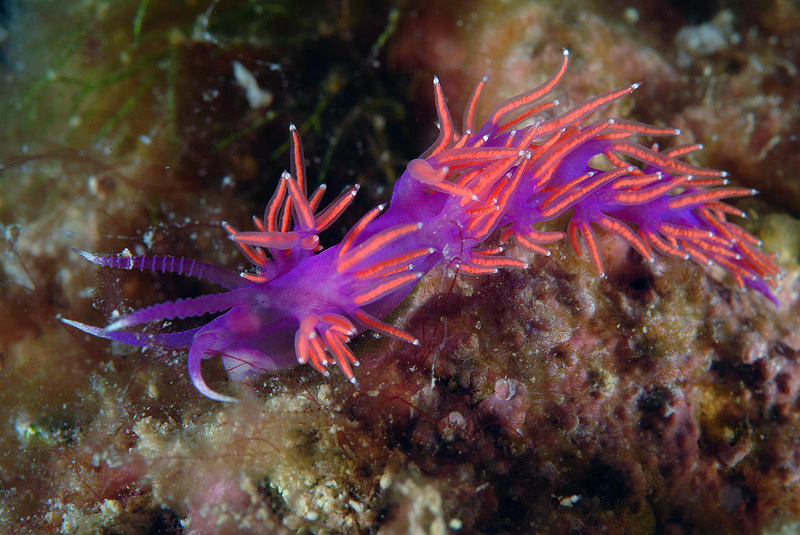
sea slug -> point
(523, 166)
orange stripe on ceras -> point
(446, 129)
(255, 256)
(489, 175)
(695, 253)
(302, 337)
(341, 354)
(463, 177)
(592, 246)
(646, 195)
(657, 159)
(736, 270)
(274, 206)
(707, 182)
(550, 163)
(384, 328)
(286, 215)
(530, 244)
(472, 155)
(724, 208)
(684, 232)
(472, 270)
(253, 277)
(627, 234)
(719, 240)
(274, 240)
(317, 356)
(301, 349)
(335, 209)
(483, 210)
(462, 141)
(588, 236)
(700, 197)
(354, 232)
(305, 218)
(662, 245)
(584, 110)
(464, 194)
(561, 190)
(535, 94)
(316, 197)
(504, 188)
(375, 243)
(479, 226)
(629, 127)
(340, 340)
(488, 251)
(382, 289)
(471, 110)
(596, 182)
(683, 150)
(497, 262)
(544, 236)
(525, 142)
(390, 264)
(718, 250)
(526, 114)
(510, 139)
(743, 235)
(764, 266)
(339, 323)
(297, 160)
(637, 182)
(720, 225)
(616, 161)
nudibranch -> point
(525, 165)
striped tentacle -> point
(190, 268)
(183, 308)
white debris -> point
(710, 37)
(256, 97)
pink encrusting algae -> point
(304, 304)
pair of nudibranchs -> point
(492, 184)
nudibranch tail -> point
(524, 166)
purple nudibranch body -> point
(520, 168)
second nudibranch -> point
(521, 167)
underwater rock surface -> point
(659, 399)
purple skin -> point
(304, 307)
